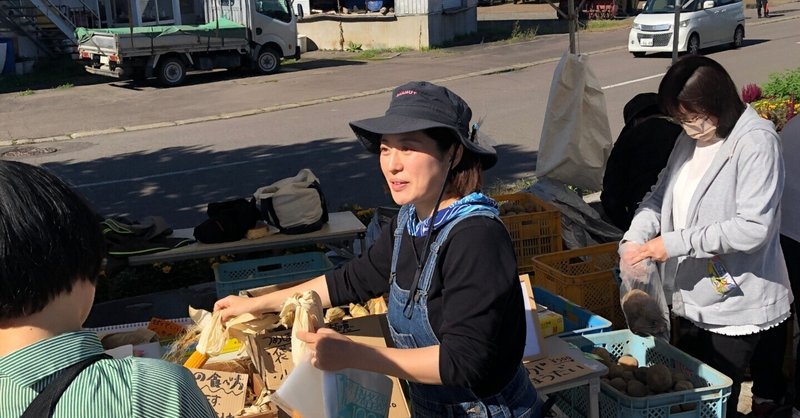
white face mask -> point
(700, 129)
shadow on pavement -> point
(246, 76)
(494, 30)
(177, 183)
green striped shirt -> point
(129, 387)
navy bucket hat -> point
(420, 105)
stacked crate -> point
(584, 276)
(534, 226)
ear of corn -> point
(196, 360)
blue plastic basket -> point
(577, 320)
(235, 276)
(709, 398)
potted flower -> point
(779, 100)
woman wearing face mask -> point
(455, 310)
(712, 222)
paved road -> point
(299, 118)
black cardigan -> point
(482, 329)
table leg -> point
(594, 395)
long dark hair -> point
(700, 85)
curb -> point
(331, 99)
(275, 108)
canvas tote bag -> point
(294, 205)
(576, 137)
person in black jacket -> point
(455, 305)
(638, 156)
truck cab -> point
(271, 27)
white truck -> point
(255, 34)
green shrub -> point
(783, 85)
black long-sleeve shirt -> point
(475, 303)
(637, 158)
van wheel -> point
(268, 61)
(638, 54)
(171, 71)
(693, 45)
(738, 37)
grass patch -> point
(27, 92)
(59, 73)
(519, 34)
(499, 187)
(603, 25)
(379, 53)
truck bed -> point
(129, 42)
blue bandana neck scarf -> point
(472, 202)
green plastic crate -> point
(239, 275)
(709, 397)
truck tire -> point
(268, 61)
(171, 71)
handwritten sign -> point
(225, 391)
(164, 328)
(552, 370)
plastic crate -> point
(533, 233)
(709, 398)
(584, 276)
(577, 321)
(239, 275)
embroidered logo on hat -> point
(404, 93)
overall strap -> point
(430, 264)
(402, 219)
(45, 403)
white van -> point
(703, 24)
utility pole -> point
(573, 25)
(676, 25)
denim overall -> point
(412, 329)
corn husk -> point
(308, 316)
(334, 314)
(377, 306)
(357, 311)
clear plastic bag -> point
(314, 393)
(642, 295)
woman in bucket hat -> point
(455, 306)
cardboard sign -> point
(272, 357)
(165, 329)
(552, 370)
(226, 392)
(534, 344)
